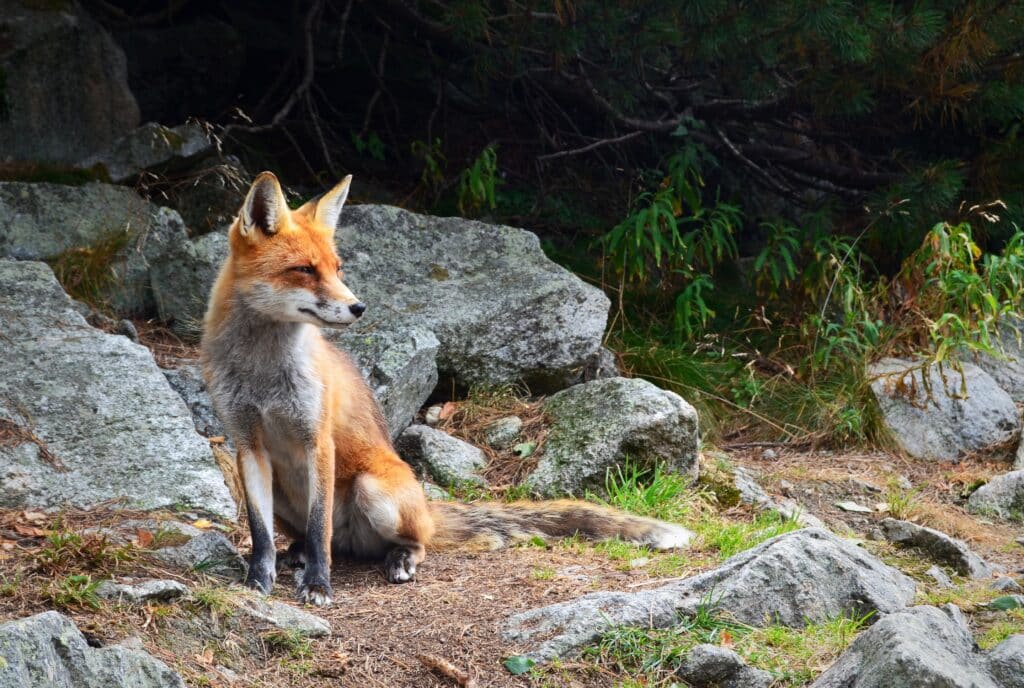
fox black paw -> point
(399, 565)
(260, 577)
(314, 589)
(294, 557)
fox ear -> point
(263, 208)
(328, 208)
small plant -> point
(903, 504)
(543, 574)
(729, 539)
(478, 182)
(75, 591)
(293, 642)
(64, 549)
(370, 144)
(434, 163)
(650, 492)
(88, 273)
(217, 600)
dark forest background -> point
(773, 193)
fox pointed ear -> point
(328, 208)
(264, 207)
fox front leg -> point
(259, 502)
(315, 579)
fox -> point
(313, 449)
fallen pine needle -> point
(446, 668)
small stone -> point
(769, 454)
(433, 415)
(940, 577)
(639, 562)
(503, 432)
(209, 552)
(1005, 584)
(446, 459)
(786, 487)
(938, 545)
(904, 482)
(284, 616)
(853, 507)
(710, 666)
(149, 591)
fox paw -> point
(315, 590)
(294, 557)
(399, 565)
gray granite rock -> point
(447, 460)
(942, 425)
(399, 364)
(1007, 369)
(596, 426)
(1006, 584)
(940, 577)
(1006, 662)
(186, 378)
(806, 575)
(150, 146)
(1002, 497)
(48, 650)
(939, 547)
(182, 278)
(711, 666)
(65, 82)
(43, 221)
(283, 616)
(138, 593)
(209, 552)
(922, 646)
(752, 493)
(502, 433)
(99, 419)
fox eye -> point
(305, 269)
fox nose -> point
(357, 308)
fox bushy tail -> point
(494, 525)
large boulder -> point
(91, 415)
(64, 93)
(1006, 662)
(48, 650)
(599, 425)
(399, 364)
(151, 147)
(1007, 369)
(182, 279)
(938, 546)
(933, 420)
(1002, 497)
(806, 575)
(109, 230)
(500, 308)
(922, 646)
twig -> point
(446, 668)
(596, 144)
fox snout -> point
(333, 313)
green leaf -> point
(518, 664)
(524, 449)
(1007, 602)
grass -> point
(794, 656)
(1002, 629)
(63, 550)
(87, 273)
(544, 573)
(903, 504)
(730, 538)
(292, 642)
(651, 492)
(214, 598)
(75, 591)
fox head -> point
(284, 262)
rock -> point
(922, 646)
(151, 146)
(806, 575)
(186, 378)
(599, 425)
(601, 364)
(940, 577)
(65, 92)
(1005, 584)
(710, 666)
(210, 200)
(283, 616)
(752, 493)
(943, 427)
(399, 364)
(182, 279)
(939, 546)
(124, 232)
(446, 459)
(209, 552)
(1007, 370)
(502, 433)
(432, 416)
(1002, 497)
(500, 308)
(1018, 461)
(149, 591)
(99, 420)
(48, 650)
(1006, 662)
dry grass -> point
(12, 434)
(167, 347)
(469, 420)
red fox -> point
(314, 453)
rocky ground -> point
(121, 546)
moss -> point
(37, 172)
(721, 484)
(438, 273)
